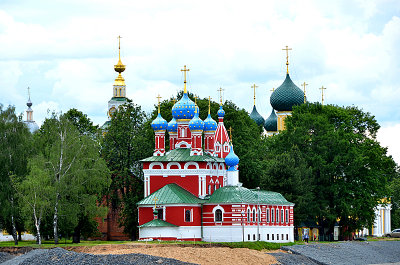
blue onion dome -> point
(172, 126)
(184, 108)
(221, 112)
(255, 116)
(286, 96)
(159, 124)
(231, 160)
(196, 124)
(271, 123)
(210, 124)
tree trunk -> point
(19, 235)
(14, 230)
(55, 221)
(37, 225)
(76, 238)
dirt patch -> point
(199, 254)
(16, 251)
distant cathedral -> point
(30, 123)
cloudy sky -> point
(65, 51)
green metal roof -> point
(183, 154)
(158, 223)
(171, 194)
(119, 99)
(235, 194)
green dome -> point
(255, 116)
(271, 123)
(286, 96)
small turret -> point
(159, 125)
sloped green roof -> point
(171, 194)
(158, 223)
(286, 96)
(235, 194)
(255, 116)
(183, 154)
(119, 98)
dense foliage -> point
(330, 164)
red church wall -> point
(189, 183)
(173, 214)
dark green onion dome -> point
(286, 96)
(271, 123)
(255, 116)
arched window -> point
(188, 216)
(218, 215)
(267, 215)
(226, 147)
(254, 215)
(248, 215)
(277, 215)
(287, 216)
(272, 215)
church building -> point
(192, 192)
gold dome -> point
(119, 67)
(119, 81)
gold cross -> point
(158, 97)
(230, 133)
(287, 58)
(220, 94)
(254, 87)
(322, 90)
(184, 70)
(155, 202)
(119, 46)
(273, 89)
(195, 104)
(304, 86)
(209, 104)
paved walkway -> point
(374, 252)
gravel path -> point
(374, 252)
(61, 256)
(5, 256)
(292, 259)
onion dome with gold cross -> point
(232, 160)
(196, 124)
(210, 124)
(286, 96)
(159, 124)
(271, 123)
(184, 108)
(255, 116)
(172, 126)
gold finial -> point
(322, 91)
(155, 202)
(184, 82)
(158, 97)
(304, 86)
(220, 94)
(254, 87)
(230, 133)
(287, 58)
(209, 104)
(119, 67)
(173, 101)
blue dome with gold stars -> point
(196, 124)
(231, 160)
(221, 112)
(172, 126)
(286, 96)
(210, 124)
(159, 124)
(184, 108)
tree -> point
(395, 200)
(34, 193)
(344, 168)
(77, 171)
(124, 145)
(15, 140)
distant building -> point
(30, 123)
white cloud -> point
(388, 136)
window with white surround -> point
(277, 216)
(248, 215)
(188, 215)
(217, 147)
(267, 215)
(272, 215)
(282, 218)
(254, 215)
(218, 215)
(287, 216)
(226, 147)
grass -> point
(62, 243)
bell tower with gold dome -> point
(119, 88)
